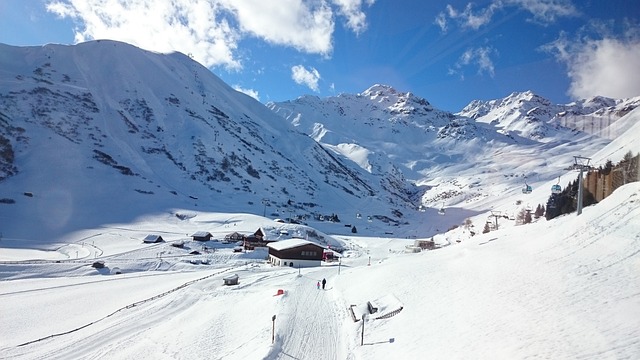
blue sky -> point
(449, 52)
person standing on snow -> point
(318, 285)
(324, 282)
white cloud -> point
(481, 57)
(351, 10)
(546, 11)
(543, 11)
(211, 30)
(251, 92)
(441, 21)
(468, 18)
(292, 22)
(306, 77)
(196, 27)
(605, 67)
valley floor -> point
(567, 288)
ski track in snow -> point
(312, 318)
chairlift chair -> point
(358, 216)
(556, 189)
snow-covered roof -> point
(290, 243)
(201, 234)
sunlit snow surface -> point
(566, 288)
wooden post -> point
(273, 329)
(362, 339)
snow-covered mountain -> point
(104, 125)
(488, 149)
(532, 116)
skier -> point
(324, 282)
(318, 285)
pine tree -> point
(520, 218)
(552, 207)
(539, 211)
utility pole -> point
(362, 339)
(273, 329)
(265, 202)
(582, 164)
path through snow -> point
(309, 325)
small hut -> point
(151, 238)
(231, 280)
(202, 236)
(425, 244)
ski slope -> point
(566, 288)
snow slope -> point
(137, 132)
(512, 293)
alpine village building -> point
(298, 253)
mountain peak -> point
(379, 89)
(396, 101)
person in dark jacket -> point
(324, 282)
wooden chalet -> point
(296, 253)
(201, 236)
(235, 236)
(255, 240)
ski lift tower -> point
(581, 163)
(495, 214)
